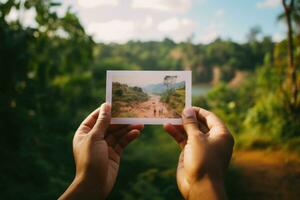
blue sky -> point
(238, 16)
(123, 20)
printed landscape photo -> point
(146, 96)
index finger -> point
(177, 132)
(89, 122)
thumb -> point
(103, 120)
(189, 121)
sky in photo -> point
(123, 20)
(142, 80)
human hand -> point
(97, 148)
(206, 152)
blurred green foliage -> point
(53, 75)
(259, 108)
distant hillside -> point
(123, 95)
(228, 55)
(161, 88)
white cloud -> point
(278, 37)
(147, 28)
(112, 31)
(163, 5)
(138, 20)
(220, 12)
(212, 31)
(173, 24)
(268, 4)
(178, 29)
(148, 23)
(95, 3)
(209, 37)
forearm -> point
(80, 189)
(208, 189)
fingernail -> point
(189, 113)
(105, 108)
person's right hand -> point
(206, 152)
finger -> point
(190, 122)
(201, 121)
(136, 126)
(179, 128)
(176, 133)
(115, 127)
(214, 123)
(113, 155)
(113, 137)
(89, 122)
(125, 140)
(103, 120)
(209, 117)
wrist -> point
(207, 188)
(82, 188)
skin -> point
(204, 139)
(206, 147)
(97, 148)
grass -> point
(254, 141)
(248, 141)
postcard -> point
(148, 97)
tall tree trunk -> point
(288, 9)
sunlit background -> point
(244, 56)
(120, 21)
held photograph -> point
(149, 97)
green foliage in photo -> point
(124, 96)
(175, 99)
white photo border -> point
(176, 121)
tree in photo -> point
(169, 82)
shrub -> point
(272, 117)
(259, 106)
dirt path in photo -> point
(268, 175)
(152, 108)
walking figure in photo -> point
(161, 112)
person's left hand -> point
(97, 148)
